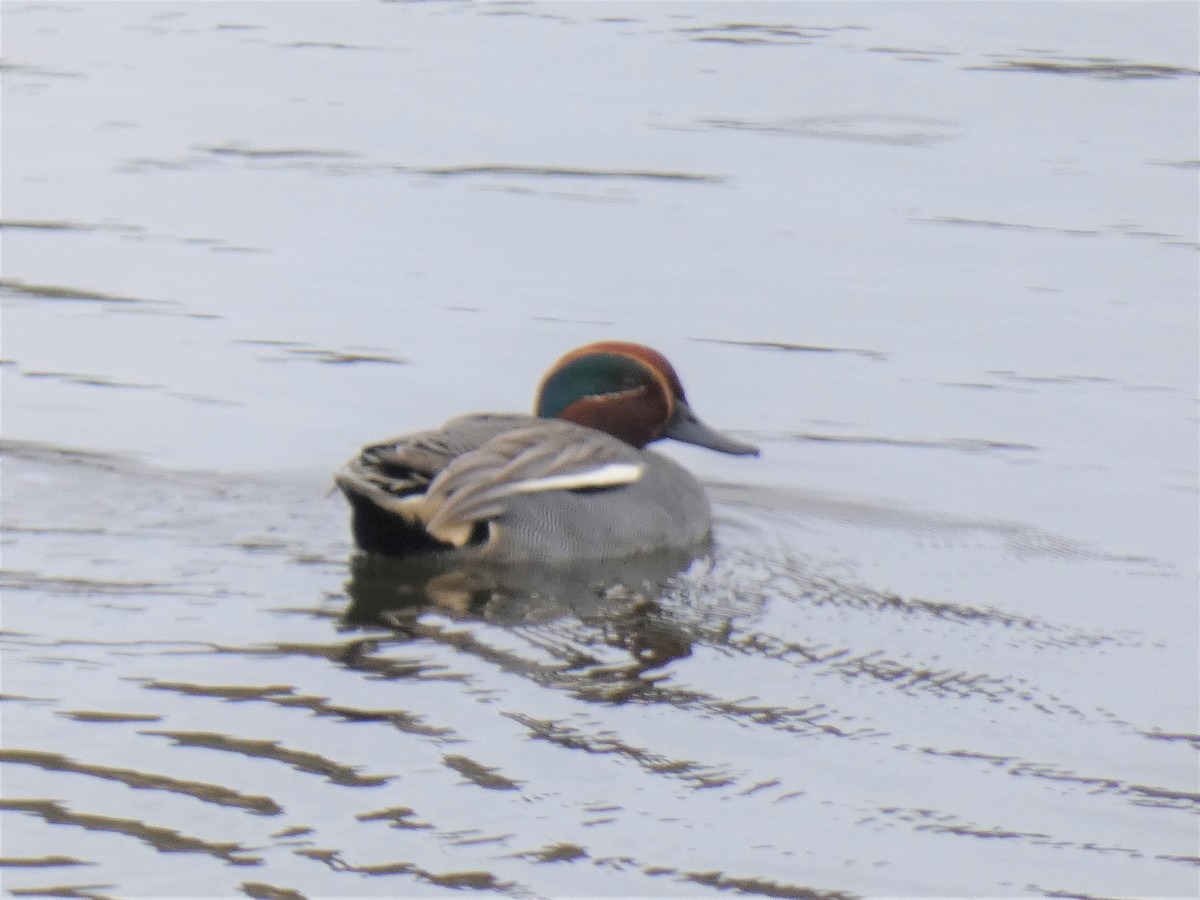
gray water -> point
(938, 260)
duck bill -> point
(686, 427)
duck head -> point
(629, 391)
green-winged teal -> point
(572, 482)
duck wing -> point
(549, 455)
(404, 466)
(441, 483)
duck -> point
(573, 481)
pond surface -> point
(938, 261)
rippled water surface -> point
(939, 261)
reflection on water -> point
(617, 606)
(234, 697)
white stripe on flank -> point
(608, 475)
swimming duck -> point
(574, 481)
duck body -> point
(573, 482)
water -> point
(938, 260)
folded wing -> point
(448, 481)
